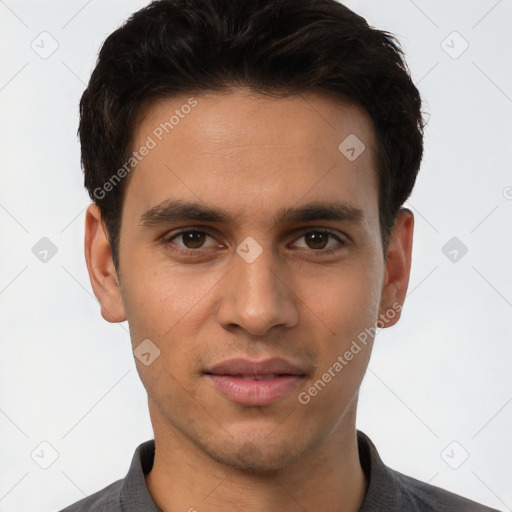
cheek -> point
(348, 306)
(161, 305)
(159, 295)
(346, 300)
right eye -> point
(192, 239)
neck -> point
(328, 477)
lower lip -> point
(255, 392)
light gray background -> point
(439, 385)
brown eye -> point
(319, 240)
(191, 239)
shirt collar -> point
(380, 494)
(135, 495)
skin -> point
(252, 155)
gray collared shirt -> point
(388, 490)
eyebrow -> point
(177, 210)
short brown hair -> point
(276, 47)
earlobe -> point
(398, 267)
(102, 272)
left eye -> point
(318, 240)
(314, 240)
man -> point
(248, 163)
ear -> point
(102, 273)
(398, 267)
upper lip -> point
(246, 367)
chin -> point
(256, 457)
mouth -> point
(257, 377)
(253, 383)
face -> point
(248, 233)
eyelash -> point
(185, 250)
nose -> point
(257, 296)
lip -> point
(248, 368)
(246, 382)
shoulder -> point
(391, 490)
(128, 493)
(108, 498)
(426, 497)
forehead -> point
(242, 149)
